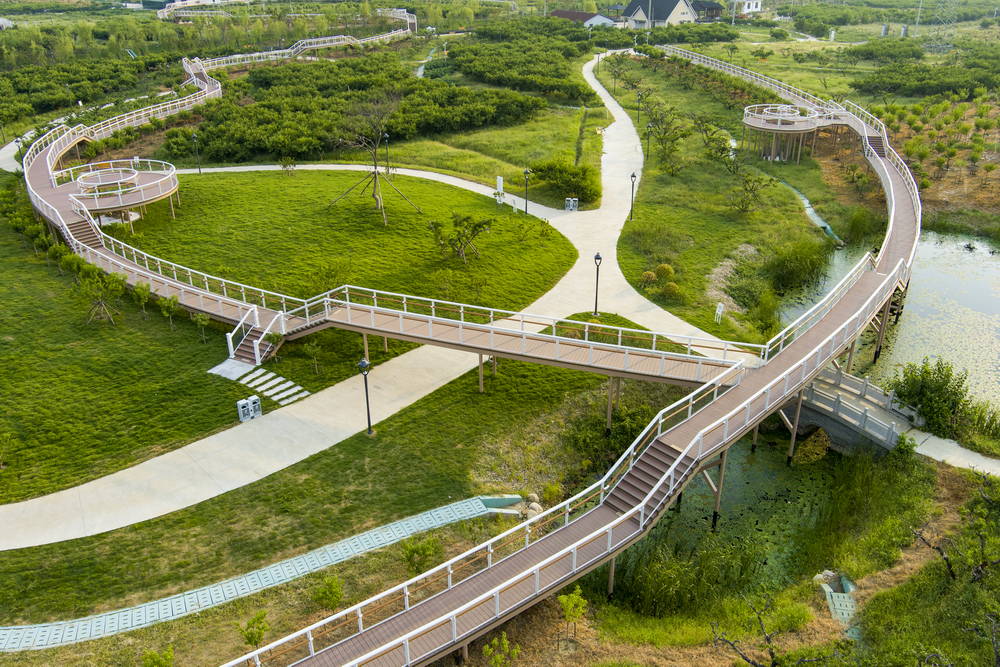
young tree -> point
(500, 652)
(574, 606)
(747, 196)
(370, 122)
(766, 644)
(164, 658)
(287, 164)
(103, 294)
(140, 294)
(617, 66)
(461, 236)
(329, 593)
(169, 306)
(420, 554)
(202, 320)
(312, 350)
(254, 630)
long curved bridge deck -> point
(453, 603)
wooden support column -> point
(364, 339)
(385, 343)
(883, 324)
(795, 427)
(850, 355)
(753, 443)
(494, 360)
(611, 576)
(172, 214)
(479, 366)
(718, 491)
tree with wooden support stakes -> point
(370, 122)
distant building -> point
(588, 19)
(749, 6)
(6, 23)
(642, 14)
(707, 10)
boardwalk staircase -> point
(245, 350)
(877, 144)
(83, 230)
(655, 461)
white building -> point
(749, 6)
(644, 14)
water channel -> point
(952, 308)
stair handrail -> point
(243, 328)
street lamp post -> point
(631, 206)
(526, 172)
(197, 153)
(597, 280)
(365, 367)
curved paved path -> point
(251, 451)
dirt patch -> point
(719, 277)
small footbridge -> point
(739, 385)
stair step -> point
(294, 398)
(262, 379)
(256, 373)
(270, 383)
(279, 389)
(286, 393)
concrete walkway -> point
(253, 450)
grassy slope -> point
(685, 219)
(85, 400)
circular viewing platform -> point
(119, 184)
(100, 180)
(781, 118)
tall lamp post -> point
(631, 205)
(197, 154)
(365, 367)
(597, 280)
(526, 172)
(386, 137)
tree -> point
(747, 196)
(461, 235)
(329, 593)
(103, 294)
(617, 66)
(140, 294)
(202, 320)
(500, 652)
(666, 131)
(574, 606)
(419, 554)
(254, 630)
(766, 644)
(169, 305)
(287, 164)
(312, 350)
(370, 120)
(163, 659)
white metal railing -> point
(99, 197)
(450, 573)
(866, 390)
(243, 328)
(885, 434)
(803, 322)
(348, 296)
(172, 7)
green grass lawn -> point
(452, 444)
(685, 220)
(280, 232)
(85, 400)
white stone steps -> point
(285, 393)
(259, 381)
(294, 398)
(274, 381)
(279, 389)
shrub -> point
(153, 659)
(664, 272)
(552, 493)
(569, 180)
(779, 34)
(672, 291)
(648, 278)
(255, 629)
(796, 263)
(861, 223)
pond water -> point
(952, 309)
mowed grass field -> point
(84, 400)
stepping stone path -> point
(273, 386)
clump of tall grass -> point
(797, 262)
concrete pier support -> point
(883, 324)
(479, 367)
(364, 342)
(795, 427)
(611, 576)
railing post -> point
(361, 625)
(229, 344)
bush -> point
(664, 272)
(797, 263)
(569, 180)
(648, 278)
(672, 292)
(779, 34)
